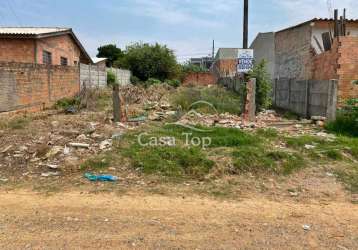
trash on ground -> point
(93, 177)
(306, 227)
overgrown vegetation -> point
(15, 123)
(111, 78)
(258, 160)
(263, 85)
(67, 102)
(222, 99)
(346, 122)
(168, 161)
(149, 61)
(111, 52)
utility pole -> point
(213, 53)
(246, 24)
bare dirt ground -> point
(82, 221)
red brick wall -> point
(59, 46)
(22, 50)
(225, 68)
(348, 67)
(201, 78)
(34, 86)
(325, 65)
(31, 50)
(341, 63)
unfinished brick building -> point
(300, 53)
(53, 46)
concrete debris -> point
(307, 146)
(6, 149)
(55, 124)
(52, 166)
(117, 136)
(49, 174)
(54, 151)
(318, 118)
(82, 137)
(66, 150)
(79, 145)
(105, 144)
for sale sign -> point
(245, 60)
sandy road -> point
(105, 221)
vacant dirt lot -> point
(274, 184)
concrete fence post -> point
(307, 99)
(289, 93)
(116, 104)
(250, 106)
(274, 92)
(332, 100)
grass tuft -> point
(254, 160)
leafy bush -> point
(152, 81)
(67, 102)
(174, 83)
(150, 61)
(263, 85)
(111, 52)
(134, 80)
(111, 78)
(346, 122)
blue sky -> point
(186, 26)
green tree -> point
(111, 52)
(263, 85)
(150, 61)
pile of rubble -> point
(229, 120)
(62, 148)
(138, 95)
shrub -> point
(346, 122)
(174, 83)
(150, 61)
(67, 102)
(152, 81)
(111, 78)
(134, 80)
(263, 85)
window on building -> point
(47, 57)
(75, 63)
(64, 61)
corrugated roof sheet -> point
(30, 30)
(98, 59)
